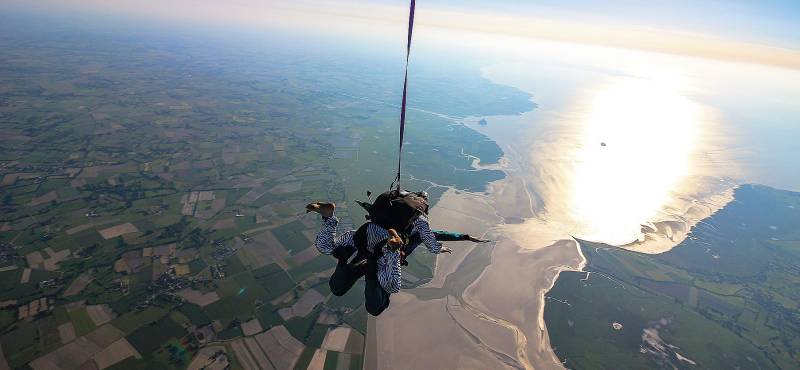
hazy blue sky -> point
(764, 21)
(763, 32)
(773, 22)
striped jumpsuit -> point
(387, 279)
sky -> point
(755, 31)
(772, 22)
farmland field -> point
(162, 187)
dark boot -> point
(343, 279)
(343, 253)
(376, 299)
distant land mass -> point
(724, 298)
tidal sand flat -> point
(447, 336)
(484, 301)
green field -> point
(150, 337)
(291, 236)
(81, 321)
(725, 297)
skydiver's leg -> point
(376, 299)
(449, 236)
(343, 279)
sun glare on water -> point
(635, 150)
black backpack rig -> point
(394, 209)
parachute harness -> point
(405, 89)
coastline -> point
(703, 194)
(497, 320)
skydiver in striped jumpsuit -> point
(385, 278)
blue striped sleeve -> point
(422, 227)
(327, 240)
(389, 274)
(375, 235)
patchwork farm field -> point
(156, 192)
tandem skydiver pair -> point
(398, 224)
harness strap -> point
(405, 90)
(366, 261)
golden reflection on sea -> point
(634, 151)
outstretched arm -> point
(422, 227)
(327, 240)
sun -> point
(635, 148)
